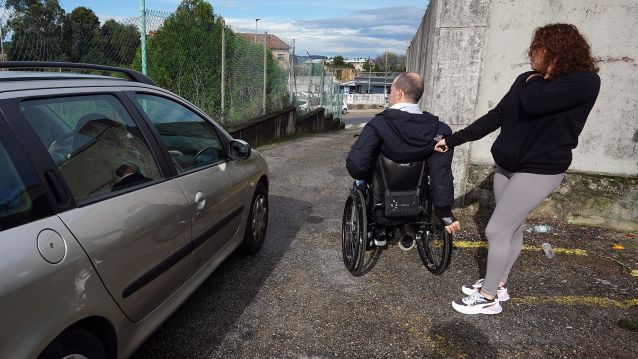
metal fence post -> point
(143, 34)
(265, 53)
(292, 72)
(321, 89)
(223, 82)
(309, 80)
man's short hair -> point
(411, 84)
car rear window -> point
(94, 142)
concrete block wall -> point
(281, 124)
(448, 51)
(608, 141)
(471, 51)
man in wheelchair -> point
(394, 154)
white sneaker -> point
(501, 293)
(380, 242)
(476, 303)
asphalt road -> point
(296, 300)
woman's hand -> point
(441, 146)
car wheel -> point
(75, 343)
(257, 222)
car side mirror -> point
(239, 150)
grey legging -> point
(516, 194)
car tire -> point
(76, 342)
(257, 222)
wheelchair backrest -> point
(397, 187)
(401, 176)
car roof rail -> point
(131, 74)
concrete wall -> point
(448, 50)
(470, 52)
(608, 141)
(282, 124)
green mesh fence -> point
(184, 55)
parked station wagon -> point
(117, 199)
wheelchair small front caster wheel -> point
(407, 243)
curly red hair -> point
(566, 48)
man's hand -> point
(441, 146)
(455, 226)
(451, 224)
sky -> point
(351, 28)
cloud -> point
(367, 32)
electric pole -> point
(385, 76)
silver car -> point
(117, 200)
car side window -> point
(94, 142)
(22, 198)
(191, 141)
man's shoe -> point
(380, 241)
(476, 303)
(501, 293)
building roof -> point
(272, 41)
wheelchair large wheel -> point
(354, 232)
(435, 246)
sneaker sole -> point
(469, 291)
(464, 309)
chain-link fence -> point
(315, 87)
(230, 73)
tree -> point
(338, 61)
(42, 31)
(396, 63)
(118, 43)
(81, 33)
(368, 65)
(184, 55)
(37, 27)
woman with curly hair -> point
(540, 119)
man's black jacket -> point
(405, 137)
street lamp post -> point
(369, 73)
(256, 30)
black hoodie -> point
(405, 137)
(540, 121)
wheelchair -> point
(397, 202)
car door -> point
(133, 222)
(35, 246)
(216, 188)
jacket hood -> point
(413, 133)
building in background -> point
(280, 50)
(357, 63)
(376, 83)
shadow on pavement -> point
(462, 339)
(212, 310)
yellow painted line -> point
(634, 273)
(558, 250)
(577, 300)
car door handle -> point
(200, 200)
